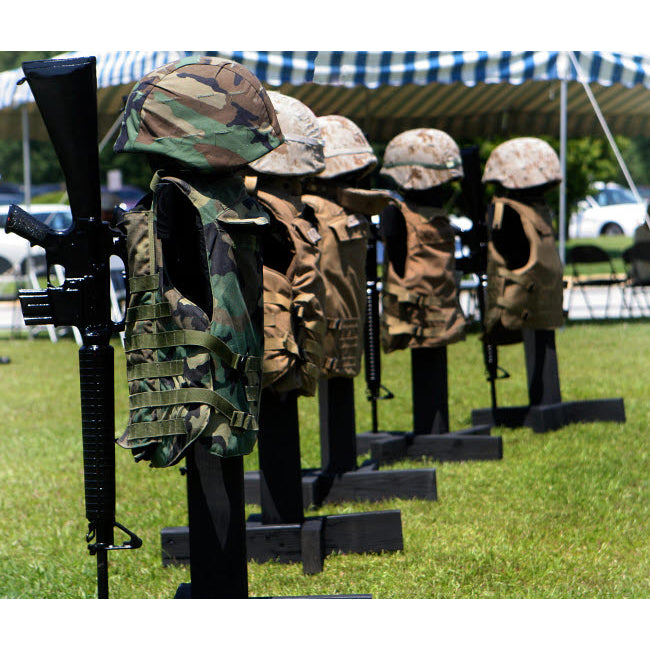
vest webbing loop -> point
(156, 429)
(282, 343)
(238, 419)
(140, 283)
(148, 312)
(154, 369)
(241, 362)
(396, 327)
(403, 295)
(342, 323)
(273, 298)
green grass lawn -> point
(563, 515)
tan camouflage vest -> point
(421, 309)
(343, 247)
(528, 297)
(294, 324)
(194, 374)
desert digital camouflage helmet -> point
(208, 113)
(521, 163)
(346, 148)
(422, 158)
(301, 153)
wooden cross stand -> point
(430, 436)
(281, 532)
(546, 410)
(340, 478)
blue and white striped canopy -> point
(466, 93)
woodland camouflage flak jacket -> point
(194, 338)
(206, 113)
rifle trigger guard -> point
(132, 543)
(504, 374)
(387, 394)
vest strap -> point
(273, 298)
(156, 429)
(342, 324)
(282, 343)
(403, 295)
(240, 362)
(151, 399)
(140, 283)
(522, 281)
(396, 327)
(152, 370)
(148, 312)
(515, 308)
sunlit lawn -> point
(563, 515)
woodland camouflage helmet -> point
(208, 113)
(522, 163)
(346, 147)
(422, 158)
(301, 153)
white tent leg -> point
(563, 147)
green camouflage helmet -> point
(422, 158)
(522, 163)
(208, 113)
(301, 153)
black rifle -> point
(476, 240)
(370, 203)
(65, 91)
(372, 352)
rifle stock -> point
(65, 91)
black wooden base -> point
(549, 417)
(466, 444)
(363, 484)
(309, 542)
(184, 591)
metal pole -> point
(563, 146)
(27, 170)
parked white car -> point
(612, 210)
(14, 247)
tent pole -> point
(563, 146)
(27, 170)
(582, 78)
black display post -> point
(216, 535)
(546, 411)
(430, 436)
(281, 532)
(340, 478)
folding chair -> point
(580, 258)
(637, 266)
(8, 277)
